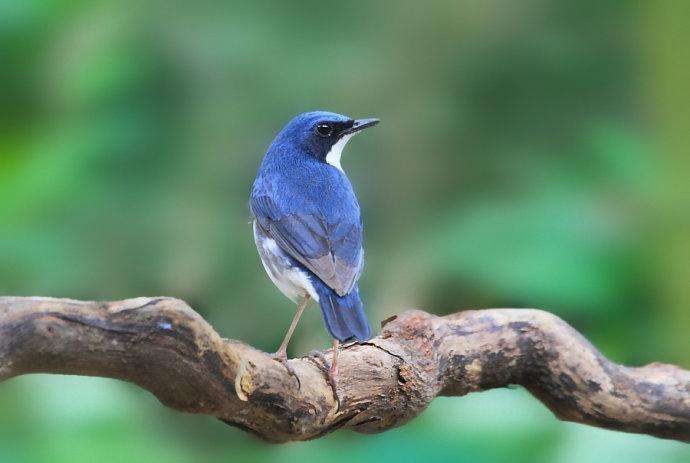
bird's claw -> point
(331, 374)
(282, 358)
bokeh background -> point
(531, 154)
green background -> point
(531, 154)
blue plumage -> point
(344, 315)
(307, 222)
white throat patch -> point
(333, 156)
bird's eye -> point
(324, 130)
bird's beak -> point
(360, 124)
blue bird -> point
(308, 227)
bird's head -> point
(321, 134)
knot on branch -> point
(409, 340)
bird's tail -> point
(344, 316)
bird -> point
(308, 227)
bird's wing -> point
(332, 251)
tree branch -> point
(167, 348)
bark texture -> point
(164, 346)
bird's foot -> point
(331, 372)
(281, 356)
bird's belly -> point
(290, 279)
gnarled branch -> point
(164, 346)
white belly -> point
(292, 281)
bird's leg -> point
(334, 363)
(281, 354)
(330, 371)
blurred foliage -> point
(531, 154)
